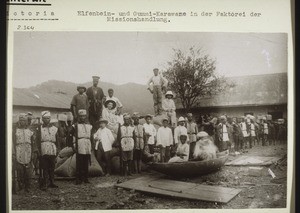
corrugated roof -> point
(266, 89)
(25, 97)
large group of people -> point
(97, 125)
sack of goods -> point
(205, 149)
(158, 119)
(68, 168)
(63, 155)
(66, 152)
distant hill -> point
(58, 94)
(265, 89)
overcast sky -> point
(119, 57)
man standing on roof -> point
(159, 85)
(95, 98)
(79, 101)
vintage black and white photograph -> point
(149, 120)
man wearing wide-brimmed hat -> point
(104, 140)
(108, 114)
(118, 109)
(79, 101)
(169, 108)
(95, 97)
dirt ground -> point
(257, 192)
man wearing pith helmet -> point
(95, 98)
(48, 150)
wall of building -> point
(276, 110)
(36, 111)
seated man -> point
(182, 152)
(108, 114)
(205, 148)
(118, 109)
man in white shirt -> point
(150, 133)
(179, 130)
(164, 140)
(159, 84)
(104, 140)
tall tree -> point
(192, 76)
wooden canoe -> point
(191, 168)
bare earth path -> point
(258, 192)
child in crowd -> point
(62, 132)
(139, 144)
(164, 140)
(192, 130)
(126, 138)
(265, 131)
(183, 150)
(150, 133)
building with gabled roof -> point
(25, 100)
(255, 94)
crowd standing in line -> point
(97, 125)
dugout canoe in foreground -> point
(191, 168)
